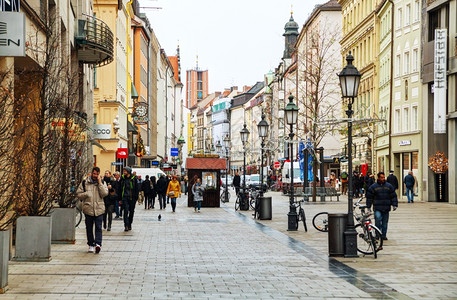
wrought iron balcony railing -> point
(95, 41)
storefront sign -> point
(439, 95)
(122, 153)
(101, 131)
(404, 143)
(12, 33)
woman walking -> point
(174, 191)
(197, 191)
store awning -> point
(131, 127)
(95, 143)
(134, 92)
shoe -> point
(384, 238)
(91, 249)
(97, 249)
(116, 217)
(379, 249)
(104, 226)
(130, 227)
(195, 209)
(126, 228)
(109, 229)
(199, 211)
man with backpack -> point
(344, 182)
(91, 192)
(129, 192)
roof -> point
(241, 99)
(206, 163)
(175, 63)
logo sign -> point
(12, 33)
(439, 95)
(101, 131)
(174, 151)
(122, 153)
(277, 164)
(336, 160)
(404, 143)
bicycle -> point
(369, 236)
(242, 201)
(301, 214)
(320, 221)
(223, 196)
(78, 212)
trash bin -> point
(336, 227)
(265, 208)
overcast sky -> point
(237, 41)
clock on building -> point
(199, 95)
(141, 111)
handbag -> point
(171, 194)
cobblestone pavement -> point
(220, 253)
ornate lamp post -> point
(291, 111)
(244, 138)
(263, 132)
(349, 82)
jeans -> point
(116, 208)
(198, 204)
(129, 211)
(147, 201)
(108, 215)
(90, 221)
(381, 220)
(162, 201)
(173, 203)
(410, 194)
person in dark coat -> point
(146, 188)
(110, 200)
(237, 182)
(355, 184)
(392, 179)
(129, 195)
(153, 191)
(369, 180)
(161, 188)
(409, 183)
(382, 196)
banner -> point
(439, 93)
(301, 159)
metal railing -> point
(95, 34)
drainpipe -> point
(392, 29)
(166, 110)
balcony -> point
(94, 40)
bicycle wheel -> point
(237, 203)
(320, 221)
(368, 240)
(78, 216)
(303, 218)
(252, 204)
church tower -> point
(290, 34)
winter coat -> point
(392, 179)
(409, 181)
(129, 190)
(174, 186)
(197, 191)
(382, 196)
(161, 186)
(237, 180)
(91, 194)
(146, 187)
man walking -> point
(129, 195)
(392, 179)
(91, 192)
(237, 182)
(409, 183)
(161, 187)
(382, 195)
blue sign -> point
(119, 163)
(155, 163)
(174, 151)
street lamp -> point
(291, 119)
(263, 132)
(227, 145)
(349, 82)
(244, 138)
(219, 147)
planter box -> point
(63, 226)
(4, 258)
(33, 239)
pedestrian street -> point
(220, 253)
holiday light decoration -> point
(438, 163)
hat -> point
(391, 171)
(128, 169)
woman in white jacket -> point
(197, 191)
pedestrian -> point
(153, 191)
(382, 196)
(129, 196)
(109, 200)
(409, 183)
(161, 188)
(168, 182)
(116, 185)
(186, 182)
(146, 188)
(197, 191)
(369, 180)
(237, 182)
(173, 191)
(344, 182)
(141, 195)
(91, 192)
(333, 180)
(392, 179)
(355, 184)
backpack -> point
(84, 184)
(344, 175)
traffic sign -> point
(277, 164)
(174, 151)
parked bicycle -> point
(301, 214)
(78, 212)
(223, 195)
(320, 221)
(369, 239)
(242, 200)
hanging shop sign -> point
(101, 131)
(439, 95)
(122, 153)
(141, 114)
(12, 33)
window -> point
(407, 14)
(397, 121)
(433, 23)
(416, 10)
(406, 90)
(414, 118)
(406, 63)
(415, 61)
(397, 65)
(399, 18)
(405, 119)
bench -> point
(331, 191)
(320, 192)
